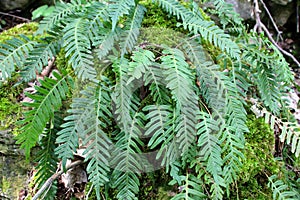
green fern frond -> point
(144, 66)
(118, 8)
(158, 116)
(46, 158)
(97, 15)
(39, 57)
(178, 75)
(179, 78)
(226, 13)
(207, 29)
(47, 100)
(212, 86)
(173, 7)
(78, 48)
(233, 134)
(212, 33)
(122, 96)
(128, 38)
(61, 12)
(191, 189)
(14, 53)
(280, 189)
(127, 159)
(210, 151)
(269, 88)
(291, 135)
(95, 137)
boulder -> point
(8, 5)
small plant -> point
(138, 106)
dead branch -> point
(50, 180)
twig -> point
(48, 183)
(257, 11)
(297, 15)
(277, 46)
(272, 20)
(15, 16)
(261, 27)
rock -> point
(282, 10)
(281, 2)
(243, 7)
(8, 5)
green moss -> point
(259, 162)
(157, 17)
(10, 108)
(27, 29)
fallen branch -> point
(15, 16)
(50, 180)
(261, 27)
(277, 46)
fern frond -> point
(144, 66)
(207, 29)
(39, 57)
(127, 160)
(122, 96)
(97, 15)
(46, 158)
(210, 150)
(291, 135)
(118, 8)
(47, 100)
(280, 189)
(178, 75)
(269, 88)
(173, 7)
(61, 12)
(96, 139)
(289, 130)
(212, 86)
(105, 41)
(179, 78)
(128, 38)
(212, 33)
(78, 48)
(191, 189)
(158, 116)
(233, 134)
(227, 14)
(14, 52)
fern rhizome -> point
(135, 105)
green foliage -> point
(143, 103)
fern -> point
(119, 8)
(47, 100)
(77, 46)
(211, 152)
(280, 189)
(39, 57)
(190, 189)
(14, 52)
(61, 12)
(143, 106)
(129, 37)
(96, 140)
(47, 160)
